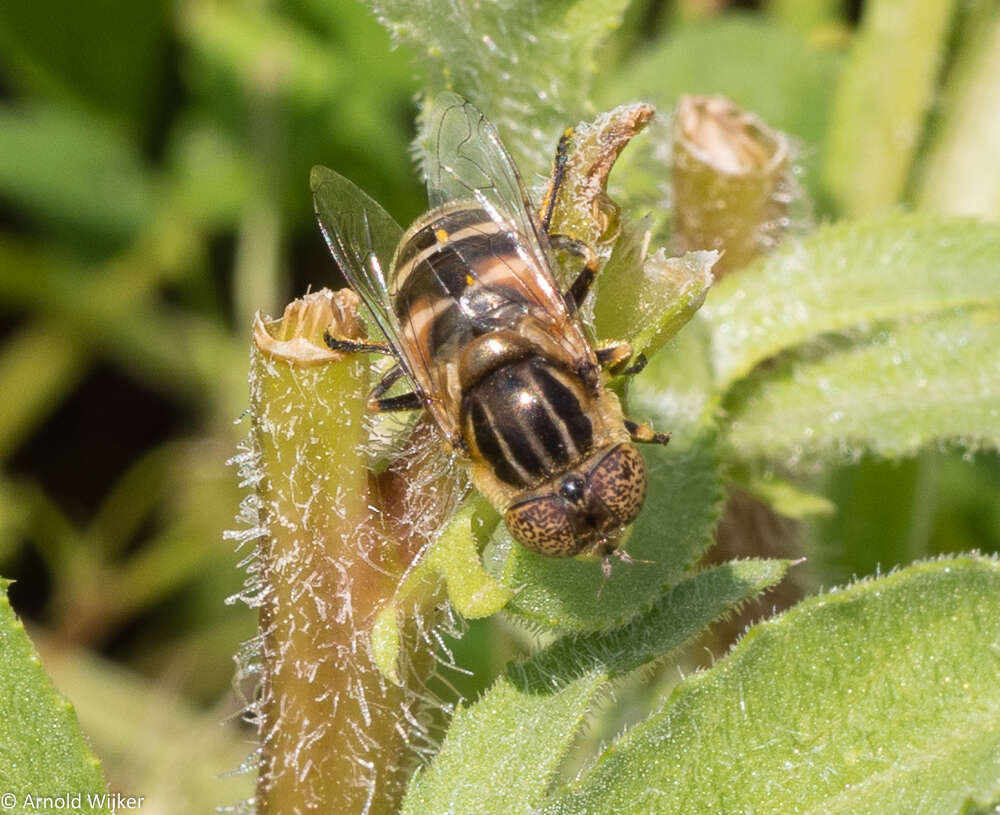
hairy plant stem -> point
(331, 737)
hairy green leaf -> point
(501, 753)
(882, 697)
(172, 752)
(673, 529)
(477, 49)
(912, 384)
(42, 751)
(848, 276)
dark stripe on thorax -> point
(527, 424)
(564, 403)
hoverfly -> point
(493, 349)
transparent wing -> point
(362, 238)
(465, 159)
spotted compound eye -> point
(619, 481)
(542, 525)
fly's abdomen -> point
(457, 275)
(527, 420)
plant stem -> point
(329, 722)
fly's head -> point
(584, 510)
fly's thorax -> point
(584, 510)
(528, 419)
(532, 418)
(494, 350)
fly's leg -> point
(644, 434)
(623, 556)
(635, 367)
(377, 403)
(613, 357)
(390, 404)
(579, 288)
(577, 292)
(344, 346)
(558, 174)
(389, 378)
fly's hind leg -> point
(644, 434)
(377, 403)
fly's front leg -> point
(344, 346)
(644, 434)
(577, 292)
(580, 287)
(558, 174)
(377, 403)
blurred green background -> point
(154, 162)
(154, 165)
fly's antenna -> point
(606, 563)
(625, 557)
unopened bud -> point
(730, 179)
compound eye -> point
(619, 481)
(542, 525)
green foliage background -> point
(154, 162)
